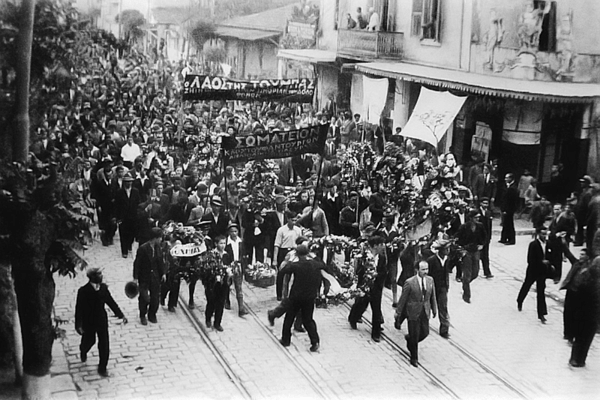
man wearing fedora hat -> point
(217, 217)
(91, 319)
(127, 201)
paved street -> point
(494, 350)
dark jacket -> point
(89, 309)
(439, 272)
(126, 207)
(510, 200)
(217, 228)
(536, 258)
(307, 278)
(149, 265)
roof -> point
(308, 55)
(170, 15)
(244, 34)
(274, 20)
(561, 92)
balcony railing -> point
(355, 43)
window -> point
(547, 38)
(336, 16)
(426, 19)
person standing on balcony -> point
(350, 22)
(374, 23)
(361, 19)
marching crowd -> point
(146, 158)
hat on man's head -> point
(587, 178)
(203, 224)
(279, 199)
(353, 193)
(128, 178)
(232, 225)
(216, 201)
(202, 188)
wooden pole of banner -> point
(224, 172)
(318, 181)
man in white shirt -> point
(129, 152)
(285, 240)
(373, 20)
(234, 248)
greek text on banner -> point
(205, 87)
(278, 144)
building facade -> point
(529, 71)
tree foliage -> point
(202, 31)
(132, 20)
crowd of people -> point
(147, 160)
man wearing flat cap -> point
(581, 208)
(439, 270)
(349, 217)
(91, 319)
(471, 237)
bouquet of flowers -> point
(370, 271)
(184, 234)
(260, 274)
(344, 273)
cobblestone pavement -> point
(494, 350)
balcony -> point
(363, 44)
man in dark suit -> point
(439, 270)
(104, 196)
(574, 306)
(471, 237)
(486, 220)
(390, 234)
(510, 203)
(373, 296)
(219, 221)
(537, 268)
(581, 305)
(417, 301)
(127, 200)
(180, 212)
(307, 281)
(149, 270)
(331, 205)
(91, 319)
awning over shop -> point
(432, 115)
(560, 92)
(308, 55)
(245, 34)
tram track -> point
(319, 389)
(481, 364)
(230, 371)
(201, 330)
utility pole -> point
(120, 17)
(23, 68)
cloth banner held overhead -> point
(205, 87)
(375, 92)
(278, 144)
(433, 114)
